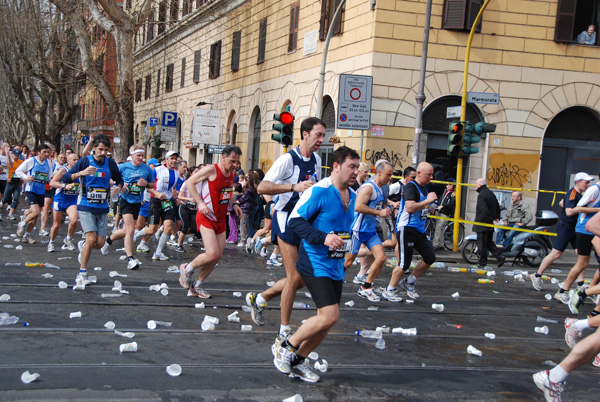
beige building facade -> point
(249, 59)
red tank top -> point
(218, 194)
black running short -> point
(188, 219)
(159, 209)
(324, 290)
(410, 239)
(128, 208)
(584, 244)
(564, 236)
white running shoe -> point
(303, 372)
(368, 294)
(551, 390)
(68, 245)
(142, 248)
(572, 335)
(44, 232)
(359, 279)
(391, 295)
(160, 257)
(51, 247)
(536, 282)
(105, 248)
(410, 289)
(133, 264)
(273, 262)
(264, 252)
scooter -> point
(531, 248)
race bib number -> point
(166, 205)
(134, 189)
(73, 191)
(226, 195)
(96, 195)
(338, 254)
(40, 177)
(424, 213)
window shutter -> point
(197, 66)
(454, 14)
(158, 82)
(337, 29)
(262, 41)
(182, 83)
(235, 52)
(474, 7)
(323, 25)
(565, 20)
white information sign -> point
(452, 112)
(206, 126)
(354, 102)
(310, 42)
(483, 97)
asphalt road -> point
(78, 359)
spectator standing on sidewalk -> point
(486, 211)
(445, 210)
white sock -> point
(260, 300)
(273, 256)
(284, 328)
(390, 289)
(161, 243)
(68, 237)
(197, 283)
(189, 268)
(582, 325)
(558, 374)
(411, 280)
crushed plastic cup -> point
(4, 298)
(28, 377)
(214, 320)
(113, 274)
(322, 367)
(117, 286)
(472, 350)
(164, 286)
(97, 268)
(372, 308)
(409, 331)
(201, 305)
(75, 314)
(110, 295)
(123, 257)
(152, 324)
(92, 279)
(47, 275)
(174, 370)
(490, 335)
(233, 317)
(246, 328)
(548, 296)
(128, 347)
(383, 329)
(270, 283)
(307, 295)
(295, 398)
(542, 330)
(409, 301)
(313, 356)
(554, 281)
(207, 325)
(438, 307)
(237, 294)
(455, 295)
(350, 303)
(491, 273)
(546, 320)
(19, 247)
(125, 334)
(62, 284)
(380, 344)
(154, 288)
(109, 325)
(164, 292)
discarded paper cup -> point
(128, 347)
(295, 398)
(472, 350)
(199, 305)
(542, 330)
(490, 335)
(207, 325)
(246, 328)
(438, 307)
(313, 356)
(109, 325)
(75, 314)
(164, 286)
(214, 320)
(237, 294)
(174, 370)
(350, 303)
(62, 284)
(164, 292)
(28, 377)
(409, 331)
(5, 297)
(456, 295)
(548, 296)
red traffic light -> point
(286, 118)
(456, 128)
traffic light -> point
(455, 138)
(284, 127)
(469, 139)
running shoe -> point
(283, 359)
(159, 257)
(596, 362)
(136, 235)
(260, 243)
(562, 297)
(572, 335)
(68, 245)
(133, 264)
(21, 227)
(199, 291)
(410, 289)
(179, 248)
(12, 217)
(51, 247)
(81, 281)
(279, 340)
(391, 295)
(44, 232)
(594, 299)
(582, 287)
(274, 262)
(142, 248)
(264, 252)
(576, 301)
(185, 277)
(172, 243)
(249, 245)
(536, 282)
(28, 240)
(257, 311)
(368, 294)
(105, 248)
(241, 244)
(303, 372)
(551, 390)
(359, 279)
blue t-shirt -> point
(320, 211)
(131, 174)
(367, 223)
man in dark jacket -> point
(487, 211)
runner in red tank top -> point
(216, 191)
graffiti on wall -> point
(397, 159)
(512, 170)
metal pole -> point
(321, 86)
(421, 94)
(362, 136)
(463, 117)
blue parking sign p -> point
(169, 119)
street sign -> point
(85, 139)
(216, 149)
(453, 112)
(206, 126)
(168, 131)
(354, 102)
(153, 121)
(483, 97)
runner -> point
(59, 162)
(65, 199)
(322, 219)
(14, 185)
(145, 211)
(137, 176)
(6, 162)
(212, 190)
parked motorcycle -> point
(531, 248)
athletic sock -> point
(367, 285)
(188, 268)
(287, 344)
(561, 290)
(582, 325)
(129, 258)
(411, 280)
(297, 360)
(582, 294)
(538, 275)
(580, 283)
(161, 243)
(558, 374)
(273, 256)
(197, 283)
(593, 313)
(68, 237)
(260, 300)
(284, 328)
(109, 241)
(390, 289)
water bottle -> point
(300, 305)
(485, 281)
(313, 178)
(368, 333)
(114, 196)
(12, 264)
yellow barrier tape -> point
(489, 225)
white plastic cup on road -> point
(199, 305)
(164, 292)
(128, 347)
(62, 285)
(472, 350)
(490, 335)
(456, 295)
(438, 307)
(548, 296)
(164, 286)
(350, 303)
(28, 377)
(207, 325)
(295, 398)
(4, 298)
(237, 294)
(246, 328)
(109, 325)
(154, 288)
(542, 330)
(75, 314)
(174, 370)
(409, 331)
(313, 356)
(214, 320)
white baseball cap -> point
(583, 176)
(171, 153)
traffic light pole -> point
(463, 117)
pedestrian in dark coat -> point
(486, 211)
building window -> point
(150, 32)
(328, 8)
(214, 69)
(148, 87)
(574, 17)
(196, 77)
(158, 82)
(461, 14)
(262, 41)
(294, 19)
(162, 17)
(174, 11)
(182, 84)
(235, 51)
(138, 90)
(187, 7)
(169, 79)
